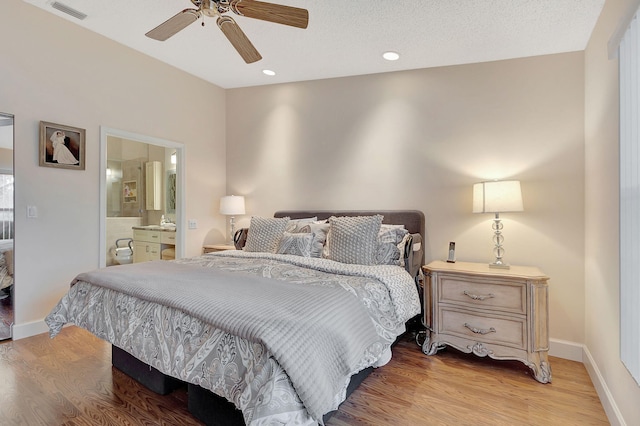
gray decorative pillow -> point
(265, 233)
(389, 251)
(319, 231)
(353, 239)
(298, 244)
(296, 225)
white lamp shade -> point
(231, 205)
(497, 197)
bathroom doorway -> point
(141, 185)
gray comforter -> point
(319, 333)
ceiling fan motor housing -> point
(209, 8)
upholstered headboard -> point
(413, 220)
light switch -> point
(32, 212)
(193, 224)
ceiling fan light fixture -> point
(270, 12)
(270, 73)
(391, 56)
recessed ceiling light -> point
(391, 56)
(269, 72)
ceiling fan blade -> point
(174, 24)
(286, 15)
(238, 39)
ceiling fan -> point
(286, 15)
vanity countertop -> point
(156, 228)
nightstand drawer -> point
(483, 292)
(504, 331)
(211, 248)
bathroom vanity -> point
(150, 241)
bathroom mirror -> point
(170, 207)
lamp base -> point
(499, 265)
(232, 225)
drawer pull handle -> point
(479, 330)
(478, 297)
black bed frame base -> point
(211, 409)
(143, 373)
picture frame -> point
(62, 146)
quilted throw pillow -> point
(353, 239)
(298, 244)
(390, 245)
(265, 234)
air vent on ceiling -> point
(68, 10)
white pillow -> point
(353, 239)
(265, 233)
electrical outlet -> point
(193, 224)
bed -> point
(279, 329)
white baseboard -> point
(579, 352)
(566, 350)
(21, 331)
(608, 403)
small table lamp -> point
(497, 197)
(232, 205)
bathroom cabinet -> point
(153, 180)
(149, 243)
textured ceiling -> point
(346, 38)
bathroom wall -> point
(126, 163)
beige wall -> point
(419, 140)
(53, 70)
(416, 139)
(602, 282)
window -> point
(629, 54)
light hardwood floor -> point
(69, 381)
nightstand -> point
(209, 248)
(499, 313)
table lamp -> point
(232, 205)
(497, 197)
